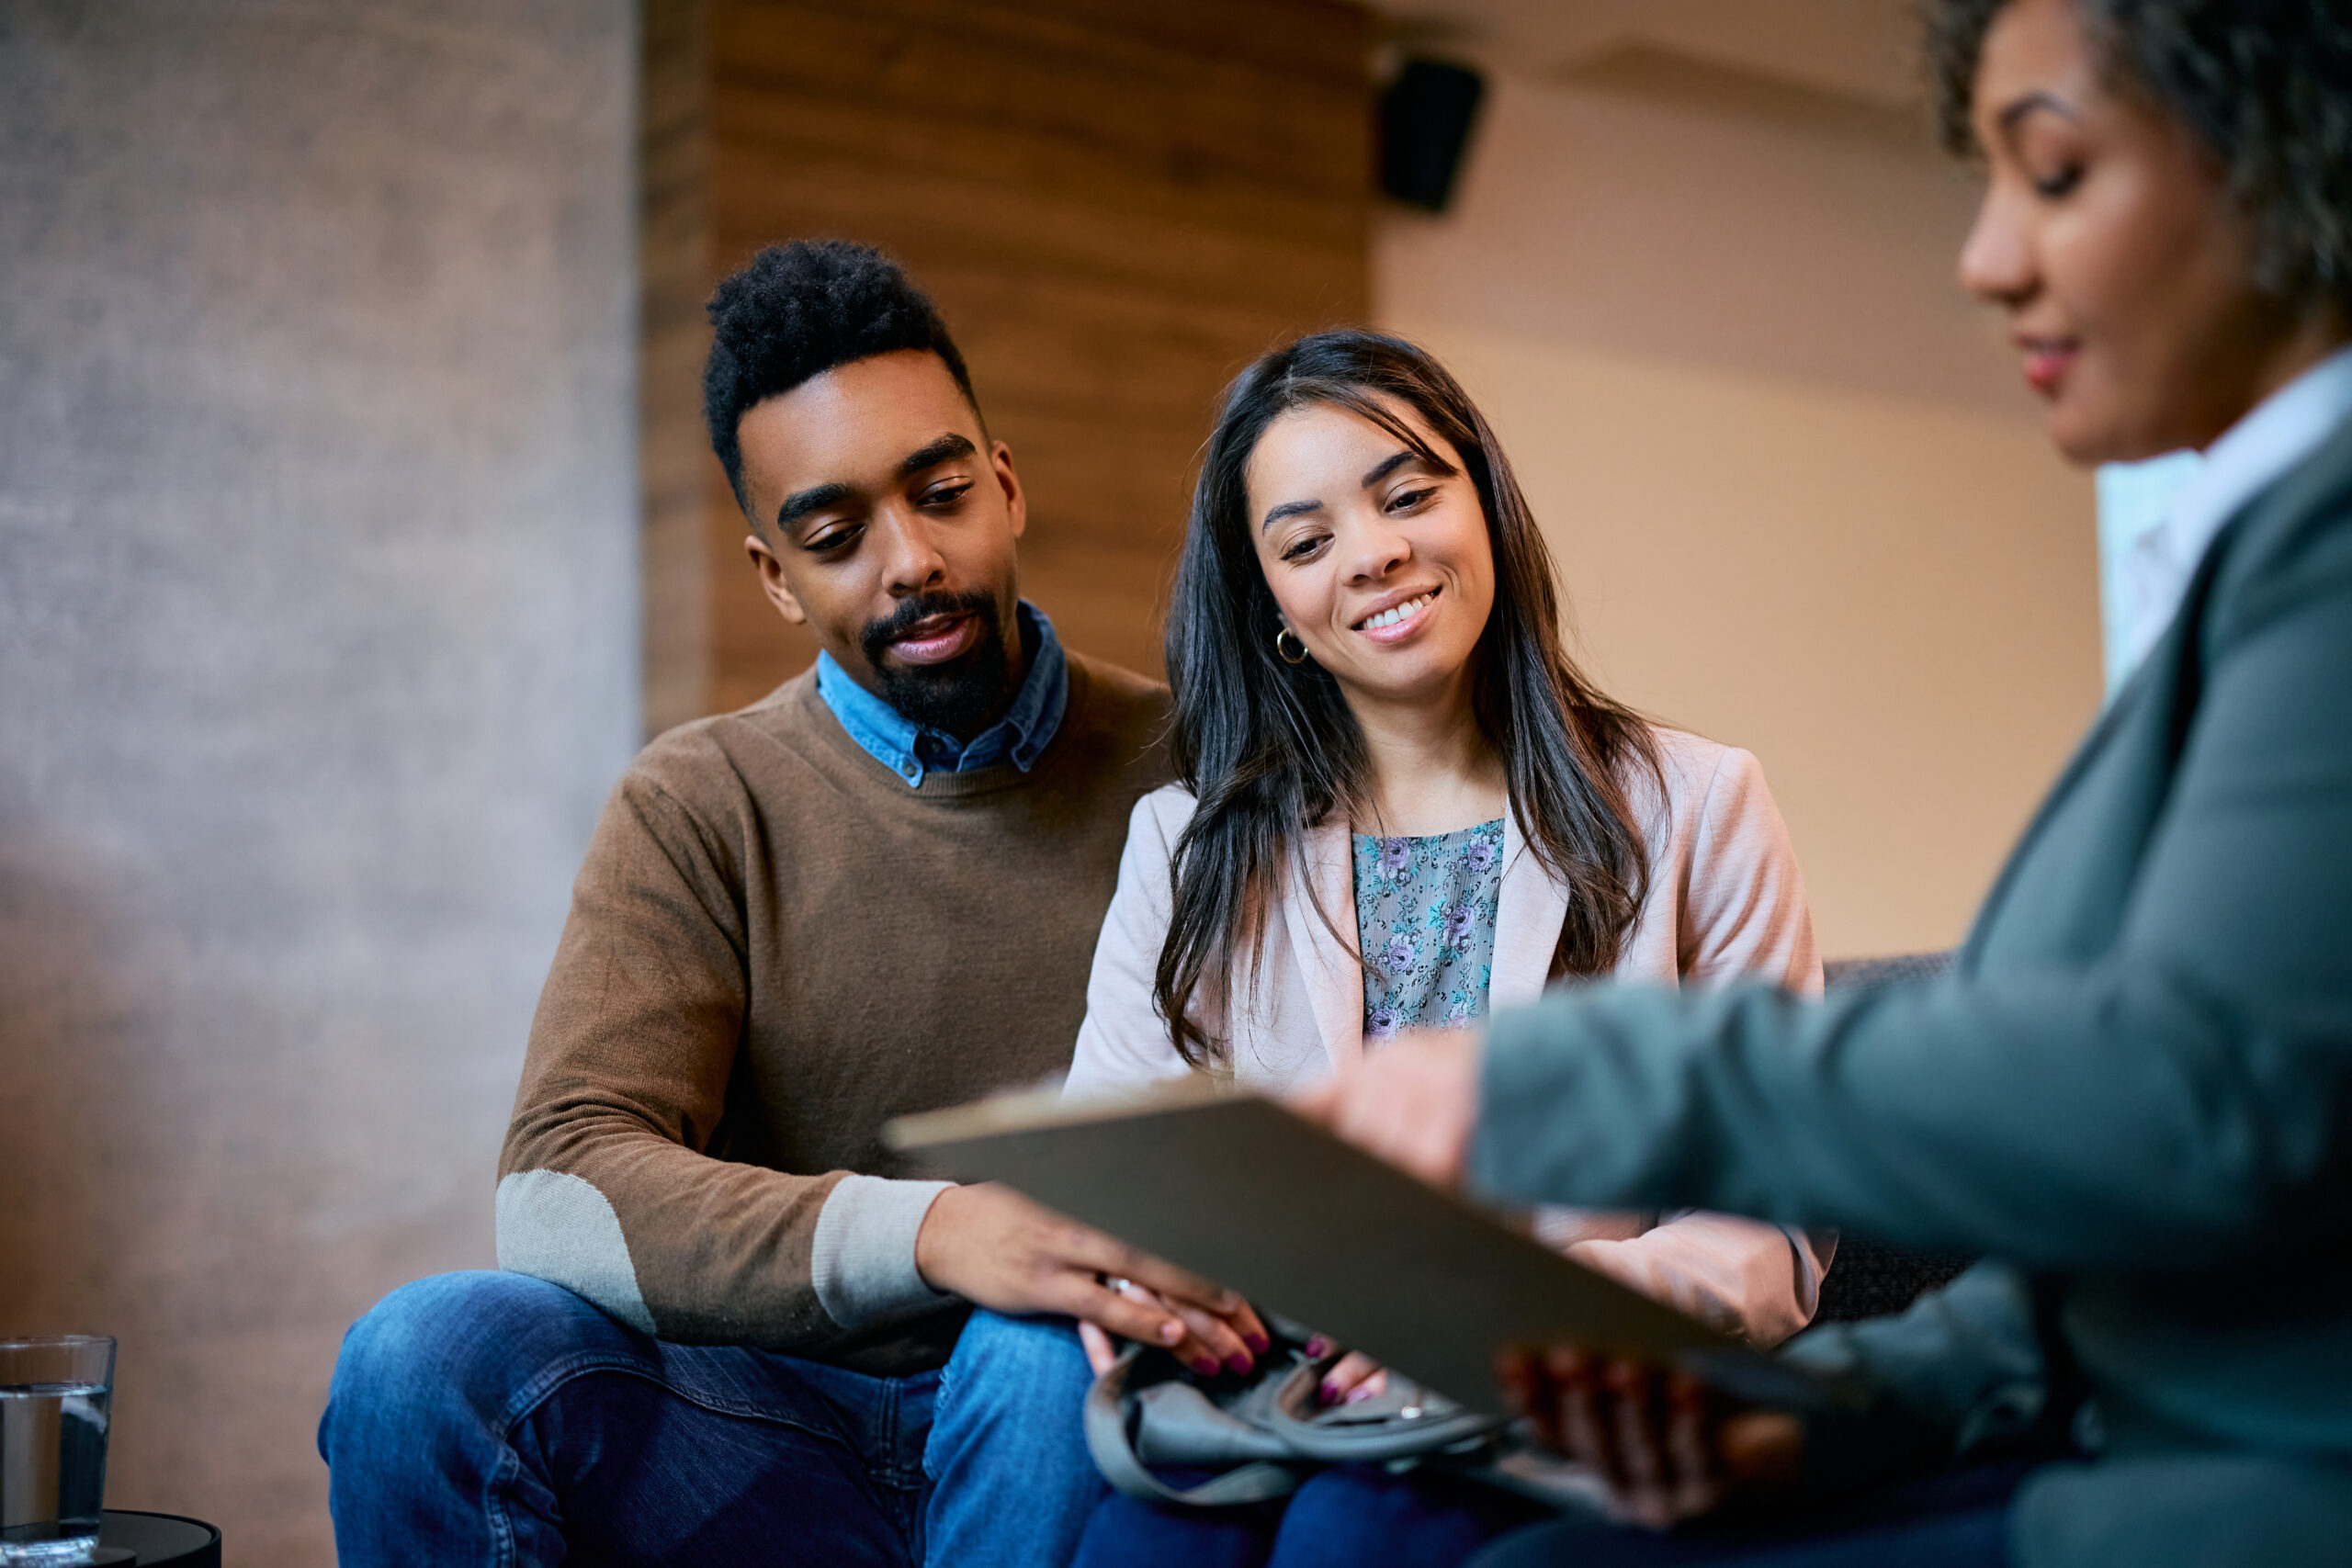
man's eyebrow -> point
(800, 503)
(1289, 509)
(946, 448)
(2018, 110)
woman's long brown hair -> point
(1270, 749)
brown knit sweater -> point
(774, 946)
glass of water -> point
(53, 1399)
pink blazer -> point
(1725, 902)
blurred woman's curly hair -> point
(2265, 85)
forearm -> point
(694, 1248)
(2106, 1119)
(2145, 1065)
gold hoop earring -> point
(1283, 641)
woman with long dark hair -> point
(2134, 1096)
(1398, 802)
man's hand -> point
(1414, 1102)
(1668, 1447)
(996, 1249)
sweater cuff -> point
(862, 1261)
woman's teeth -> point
(1389, 618)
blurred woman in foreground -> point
(2135, 1096)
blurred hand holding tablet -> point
(1242, 1191)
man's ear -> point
(772, 582)
(1016, 503)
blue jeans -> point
(1366, 1519)
(495, 1418)
(1007, 1427)
(1959, 1518)
(1347, 1518)
(1009, 1417)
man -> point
(717, 1333)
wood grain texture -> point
(1115, 204)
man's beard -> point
(962, 696)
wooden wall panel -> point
(1116, 204)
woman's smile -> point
(1399, 616)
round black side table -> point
(154, 1539)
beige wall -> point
(1799, 506)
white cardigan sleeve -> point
(1124, 1042)
(1725, 883)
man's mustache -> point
(879, 635)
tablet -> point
(1242, 1191)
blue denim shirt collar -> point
(911, 750)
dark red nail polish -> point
(1319, 1345)
(1331, 1392)
(1205, 1367)
(1236, 1364)
(1259, 1343)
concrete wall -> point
(318, 652)
(1801, 502)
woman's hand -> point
(1353, 1377)
(1668, 1447)
(1414, 1102)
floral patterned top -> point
(1425, 917)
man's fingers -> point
(1189, 1347)
(1180, 1284)
(1253, 1329)
(1094, 1303)
(1078, 1248)
(1215, 1337)
(1099, 1352)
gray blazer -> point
(2134, 1094)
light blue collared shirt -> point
(911, 750)
(2252, 454)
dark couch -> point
(1870, 1278)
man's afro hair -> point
(797, 311)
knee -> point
(1018, 1361)
(1021, 1376)
(450, 1348)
